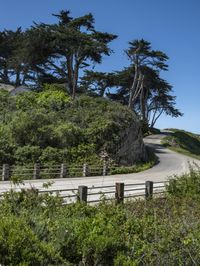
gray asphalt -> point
(170, 163)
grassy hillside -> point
(184, 142)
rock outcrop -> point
(132, 148)
(6, 87)
(14, 90)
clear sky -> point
(170, 25)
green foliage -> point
(12, 65)
(131, 169)
(28, 154)
(47, 127)
(97, 83)
(7, 105)
(49, 53)
(32, 128)
(45, 55)
(26, 101)
(54, 156)
(7, 145)
(53, 99)
(69, 135)
(187, 185)
(36, 229)
(54, 87)
(85, 153)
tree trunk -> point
(17, 80)
(75, 80)
(142, 103)
(25, 75)
(138, 90)
(133, 87)
(70, 73)
(155, 118)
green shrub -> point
(131, 169)
(53, 100)
(36, 229)
(83, 153)
(27, 154)
(186, 185)
(46, 126)
(54, 87)
(54, 156)
(7, 106)
(7, 146)
(26, 101)
(69, 135)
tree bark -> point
(75, 80)
(142, 103)
(138, 89)
(155, 118)
(133, 87)
(70, 73)
(17, 80)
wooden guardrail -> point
(38, 171)
(94, 194)
(118, 192)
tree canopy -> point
(67, 51)
(52, 52)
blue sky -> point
(171, 26)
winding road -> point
(170, 163)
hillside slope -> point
(183, 142)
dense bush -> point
(47, 126)
(7, 145)
(187, 185)
(36, 229)
(28, 154)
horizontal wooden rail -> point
(118, 192)
(39, 171)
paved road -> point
(170, 163)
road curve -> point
(170, 163)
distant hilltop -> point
(14, 90)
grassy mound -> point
(184, 142)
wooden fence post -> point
(85, 170)
(6, 172)
(36, 171)
(148, 190)
(82, 193)
(119, 193)
(63, 170)
(105, 168)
